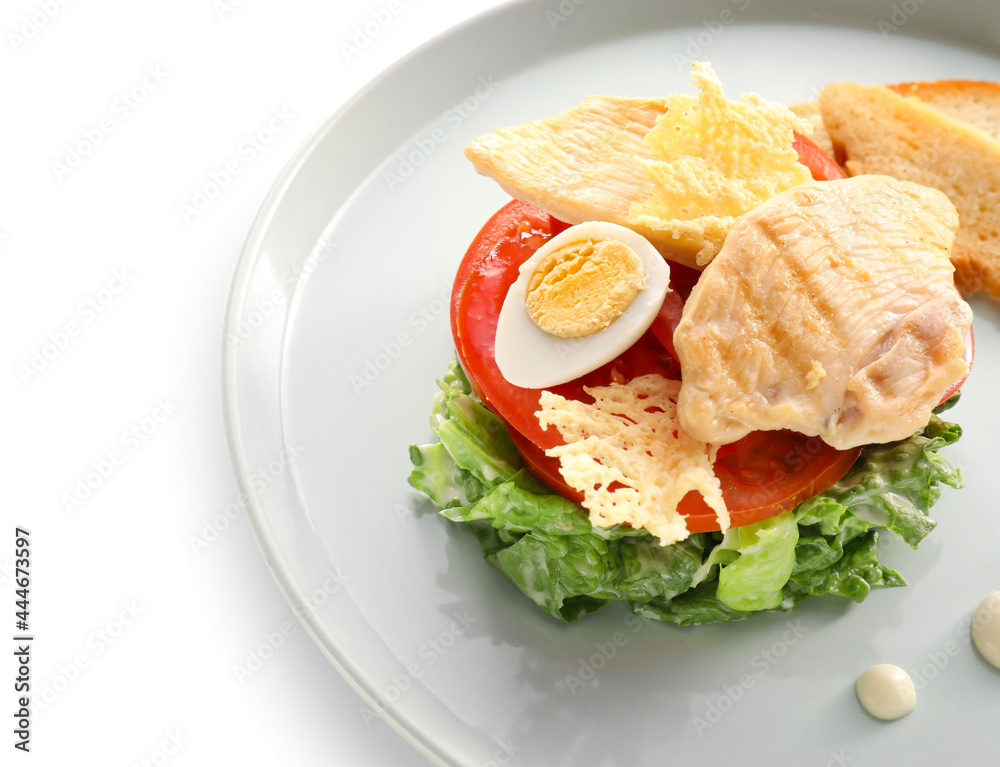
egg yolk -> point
(583, 287)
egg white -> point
(533, 359)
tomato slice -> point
(820, 164)
(766, 473)
(484, 277)
(544, 467)
(762, 475)
(666, 321)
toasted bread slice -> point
(970, 101)
(820, 136)
(876, 130)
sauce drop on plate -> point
(886, 692)
(986, 629)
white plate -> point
(338, 303)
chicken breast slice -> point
(580, 165)
(678, 170)
(831, 310)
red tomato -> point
(766, 473)
(761, 475)
(667, 319)
(820, 164)
(484, 277)
(542, 466)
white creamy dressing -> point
(886, 691)
(986, 629)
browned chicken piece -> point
(678, 171)
(831, 310)
(580, 165)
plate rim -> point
(250, 253)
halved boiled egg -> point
(582, 299)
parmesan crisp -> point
(629, 457)
(714, 160)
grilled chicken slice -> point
(677, 170)
(580, 165)
(831, 310)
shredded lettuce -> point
(546, 546)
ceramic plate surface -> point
(337, 328)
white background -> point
(159, 633)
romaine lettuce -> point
(546, 546)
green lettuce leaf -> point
(754, 580)
(545, 545)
